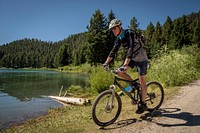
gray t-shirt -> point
(133, 50)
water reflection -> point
(14, 111)
(26, 84)
(23, 93)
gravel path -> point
(178, 115)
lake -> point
(23, 93)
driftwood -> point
(71, 100)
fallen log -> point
(71, 100)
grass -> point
(75, 119)
(84, 68)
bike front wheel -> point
(155, 95)
(106, 108)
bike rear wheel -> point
(106, 108)
(155, 95)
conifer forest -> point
(94, 45)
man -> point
(135, 56)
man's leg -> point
(142, 80)
(142, 70)
(143, 106)
(124, 75)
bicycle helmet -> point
(114, 23)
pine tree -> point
(111, 16)
(97, 39)
(174, 41)
(166, 31)
(149, 34)
(97, 22)
(62, 55)
(180, 34)
(134, 25)
(185, 31)
(196, 33)
(156, 40)
(110, 37)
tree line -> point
(94, 45)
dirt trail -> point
(178, 115)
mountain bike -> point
(107, 106)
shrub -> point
(84, 68)
(176, 68)
(100, 80)
(193, 51)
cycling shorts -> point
(141, 66)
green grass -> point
(176, 68)
(76, 119)
(84, 68)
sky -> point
(55, 20)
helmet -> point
(114, 23)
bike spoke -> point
(105, 109)
(154, 95)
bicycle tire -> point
(109, 120)
(155, 95)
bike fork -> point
(110, 106)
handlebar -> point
(113, 71)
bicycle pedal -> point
(152, 95)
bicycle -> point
(107, 106)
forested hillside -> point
(94, 45)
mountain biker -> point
(135, 56)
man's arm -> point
(113, 52)
(108, 60)
(126, 62)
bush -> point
(76, 90)
(193, 51)
(84, 68)
(100, 80)
(176, 68)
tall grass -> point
(177, 67)
(84, 68)
(100, 80)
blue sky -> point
(54, 20)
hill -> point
(94, 45)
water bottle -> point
(128, 88)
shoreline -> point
(9, 122)
(22, 121)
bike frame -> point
(122, 88)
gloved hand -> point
(122, 68)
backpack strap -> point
(137, 38)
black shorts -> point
(141, 66)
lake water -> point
(23, 93)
